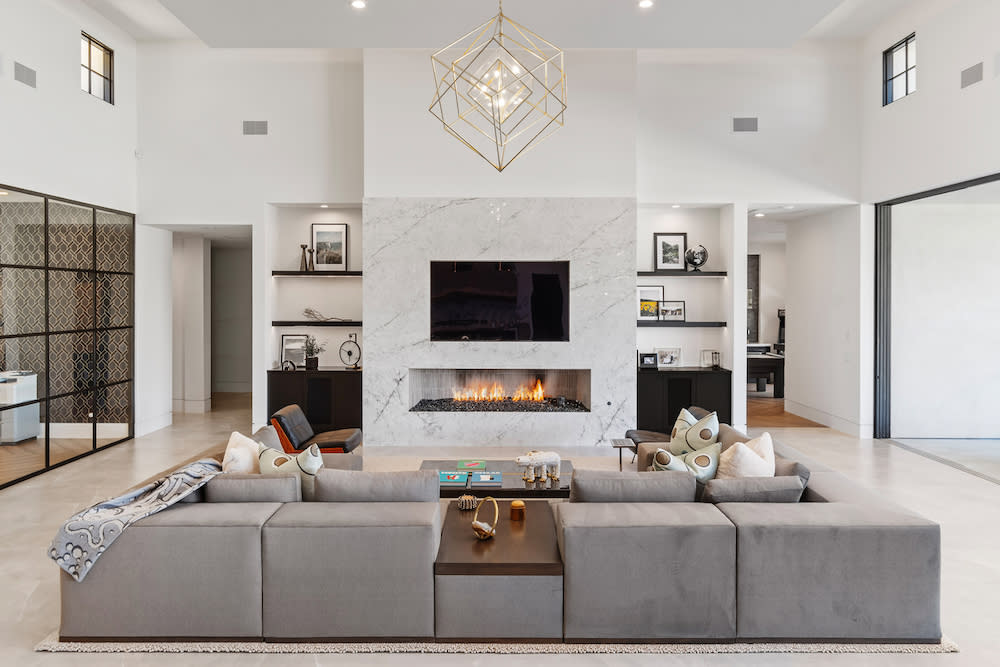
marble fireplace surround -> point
(404, 235)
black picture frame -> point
(676, 238)
(283, 355)
(322, 259)
(647, 360)
(672, 311)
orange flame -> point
(496, 392)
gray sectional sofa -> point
(841, 564)
(257, 563)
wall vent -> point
(256, 127)
(24, 74)
(972, 75)
(748, 124)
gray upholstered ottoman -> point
(350, 570)
(190, 571)
(817, 570)
(636, 571)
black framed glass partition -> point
(66, 331)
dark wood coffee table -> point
(506, 588)
(513, 485)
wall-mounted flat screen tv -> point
(500, 301)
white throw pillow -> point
(305, 465)
(748, 459)
(241, 454)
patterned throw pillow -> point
(748, 459)
(701, 463)
(305, 465)
(694, 435)
(241, 455)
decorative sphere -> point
(696, 256)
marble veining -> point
(402, 237)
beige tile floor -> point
(967, 507)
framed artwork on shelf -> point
(669, 250)
(329, 240)
(293, 349)
(673, 311)
(668, 357)
(647, 360)
(648, 298)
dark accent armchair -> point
(296, 433)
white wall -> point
(192, 323)
(153, 315)
(232, 321)
(408, 154)
(807, 146)
(829, 324)
(192, 103)
(942, 133)
(772, 286)
(945, 321)
(58, 139)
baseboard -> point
(826, 419)
(232, 388)
(155, 423)
(193, 406)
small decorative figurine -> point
(312, 266)
(546, 464)
(303, 263)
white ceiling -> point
(435, 23)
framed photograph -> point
(293, 349)
(708, 358)
(647, 360)
(668, 357)
(329, 240)
(673, 311)
(668, 252)
(648, 298)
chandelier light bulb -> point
(645, 4)
(359, 4)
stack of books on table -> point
(453, 478)
(486, 479)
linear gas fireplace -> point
(499, 390)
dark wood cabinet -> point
(331, 398)
(660, 395)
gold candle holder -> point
(517, 510)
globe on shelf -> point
(696, 257)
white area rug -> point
(52, 644)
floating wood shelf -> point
(684, 274)
(318, 274)
(312, 323)
(658, 323)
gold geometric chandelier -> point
(501, 89)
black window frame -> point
(887, 76)
(109, 53)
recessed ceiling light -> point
(645, 4)
(324, 206)
(789, 207)
(758, 215)
(676, 206)
(359, 4)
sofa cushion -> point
(786, 467)
(243, 488)
(606, 486)
(729, 436)
(303, 465)
(702, 463)
(241, 454)
(350, 486)
(785, 489)
(748, 459)
(267, 435)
